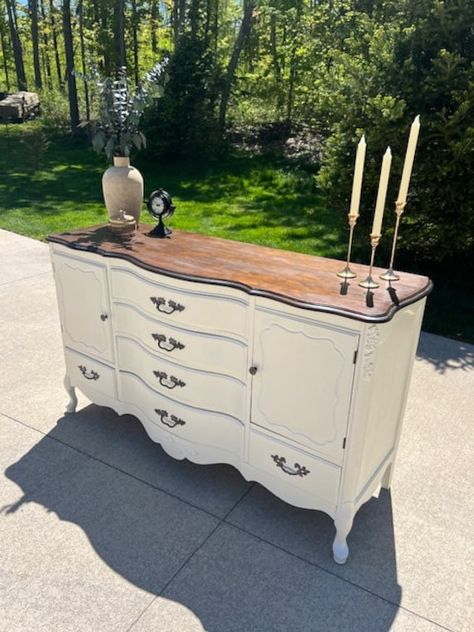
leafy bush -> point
(184, 122)
(54, 110)
(415, 62)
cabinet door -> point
(84, 306)
(302, 388)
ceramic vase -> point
(122, 186)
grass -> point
(252, 199)
(248, 199)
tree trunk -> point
(71, 79)
(154, 16)
(47, 63)
(4, 52)
(244, 32)
(80, 13)
(33, 7)
(135, 23)
(119, 34)
(55, 44)
(16, 45)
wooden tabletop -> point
(289, 277)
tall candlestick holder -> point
(369, 283)
(347, 273)
(390, 275)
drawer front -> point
(84, 372)
(196, 308)
(200, 426)
(201, 351)
(197, 388)
(290, 466)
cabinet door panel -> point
(84, 303)
(303, 384)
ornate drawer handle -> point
(297, 471)
(172, 343)
(169, 420)
(160, 303)
(171, 382)
(89, 375)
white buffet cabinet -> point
(308, 403)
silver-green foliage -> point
(121, 105)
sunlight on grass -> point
(248, 199)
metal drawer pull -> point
(103, 316)
(171, 382)
(170, 346)
(169, 420)
(297, 471)
(89, 375)
(160, 303)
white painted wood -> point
(302, 388)
(215, 354)
(205, 310)
(219, 393)
(199, 426)
(84, 306)
(72, 401)
(83, 369)
(300, 469)
(308, 402)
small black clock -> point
(160, 206)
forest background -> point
(274, 93)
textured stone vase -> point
(122, 186)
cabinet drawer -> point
(84, 372)
(294, 467)
(200, 426)
(190, 386)
(192, 306)
(201, 351)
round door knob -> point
(104, 316)
(253, 370)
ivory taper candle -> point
(382, 192)
(357, 183)
(409, 158)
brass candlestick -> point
(369, 283)
(347, 273)
(390, 275)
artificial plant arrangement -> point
(116, 131)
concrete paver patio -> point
(101, 530)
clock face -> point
(159, 204)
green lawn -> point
(253, 199)
(248, 199)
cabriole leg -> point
(387, 477)
(343, 523)
(72, 402)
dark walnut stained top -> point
(289, 277)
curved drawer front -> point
(201, 351)
(197, 388)
(196, 307)
(293, 467)
(86, 373)
(200, 426)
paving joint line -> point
(32, 276)
(186, 562)
(221, 520)
(110, 465)
(334, 574)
